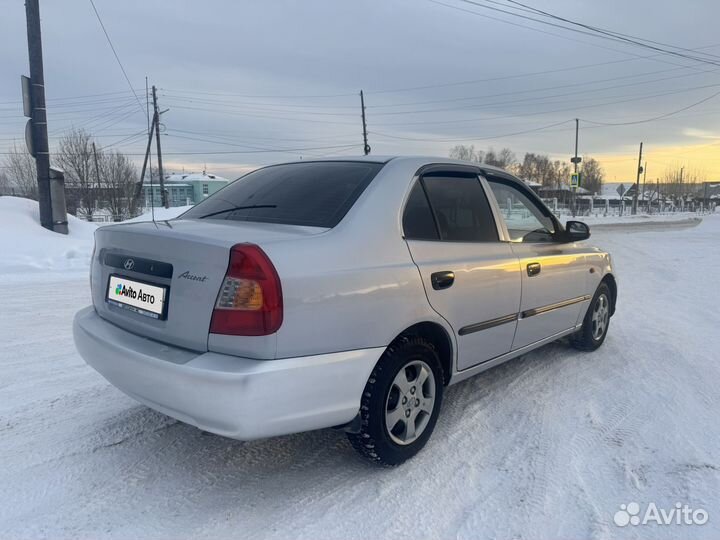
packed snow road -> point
(546, 446)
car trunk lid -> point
(185, 258)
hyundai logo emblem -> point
(129, 264)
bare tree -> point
(118, 177)
(75, 157)
(592, 175)
(466, 153)
(5, 188)
(504, 159)
(682, 182)
(538, 168)
(21, 173)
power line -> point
(224, 111)
(279, 151)
(107, 36)
(598, 33)
(188, 96)
(555, 87)
(539, 99)
(627, 37)
(237, 145)
(534, 29)
(564, 109)
(268, 96)
(425, 139)
(656, 117)
(226, 104)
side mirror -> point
(576, 231)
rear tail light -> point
(250, 298)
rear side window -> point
(315, 194)
(461, 208)
(418, 222)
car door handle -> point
(442, 280)
(533, 269)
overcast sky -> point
(249, 76)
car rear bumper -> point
(236, 397)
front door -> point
(553, 273)
(471, 278)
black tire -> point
(373, 441)
(587, 339)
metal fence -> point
(587, 207)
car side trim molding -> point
(477, 327)
(551, 307)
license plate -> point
(137, 296)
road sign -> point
(576, 159)
(620, 190)
(26, 95)
(575, 180)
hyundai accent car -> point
(338, 293)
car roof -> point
(412, 160)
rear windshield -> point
(316, 194)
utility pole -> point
(97, 173)
(637, 181)
(138, 186)
(51, 189)
(163, 195)
(681, 190)
(366, 146)
(644, 180)
(575, 160)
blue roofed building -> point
(183, 189)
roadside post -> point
(574, 185)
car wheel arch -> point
(439, 337)
(609, 279)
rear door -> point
(471, 278)
(554, 274)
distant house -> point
(535, 186)
(617, 191)
(183, 189)
(562, 193)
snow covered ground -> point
(545, 446)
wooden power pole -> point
(637, 181)
(163, 195)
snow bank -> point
(600, 219)
(29, 248)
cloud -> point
(259, 76)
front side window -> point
(460, 207)
(524, 219)
(314, 194)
